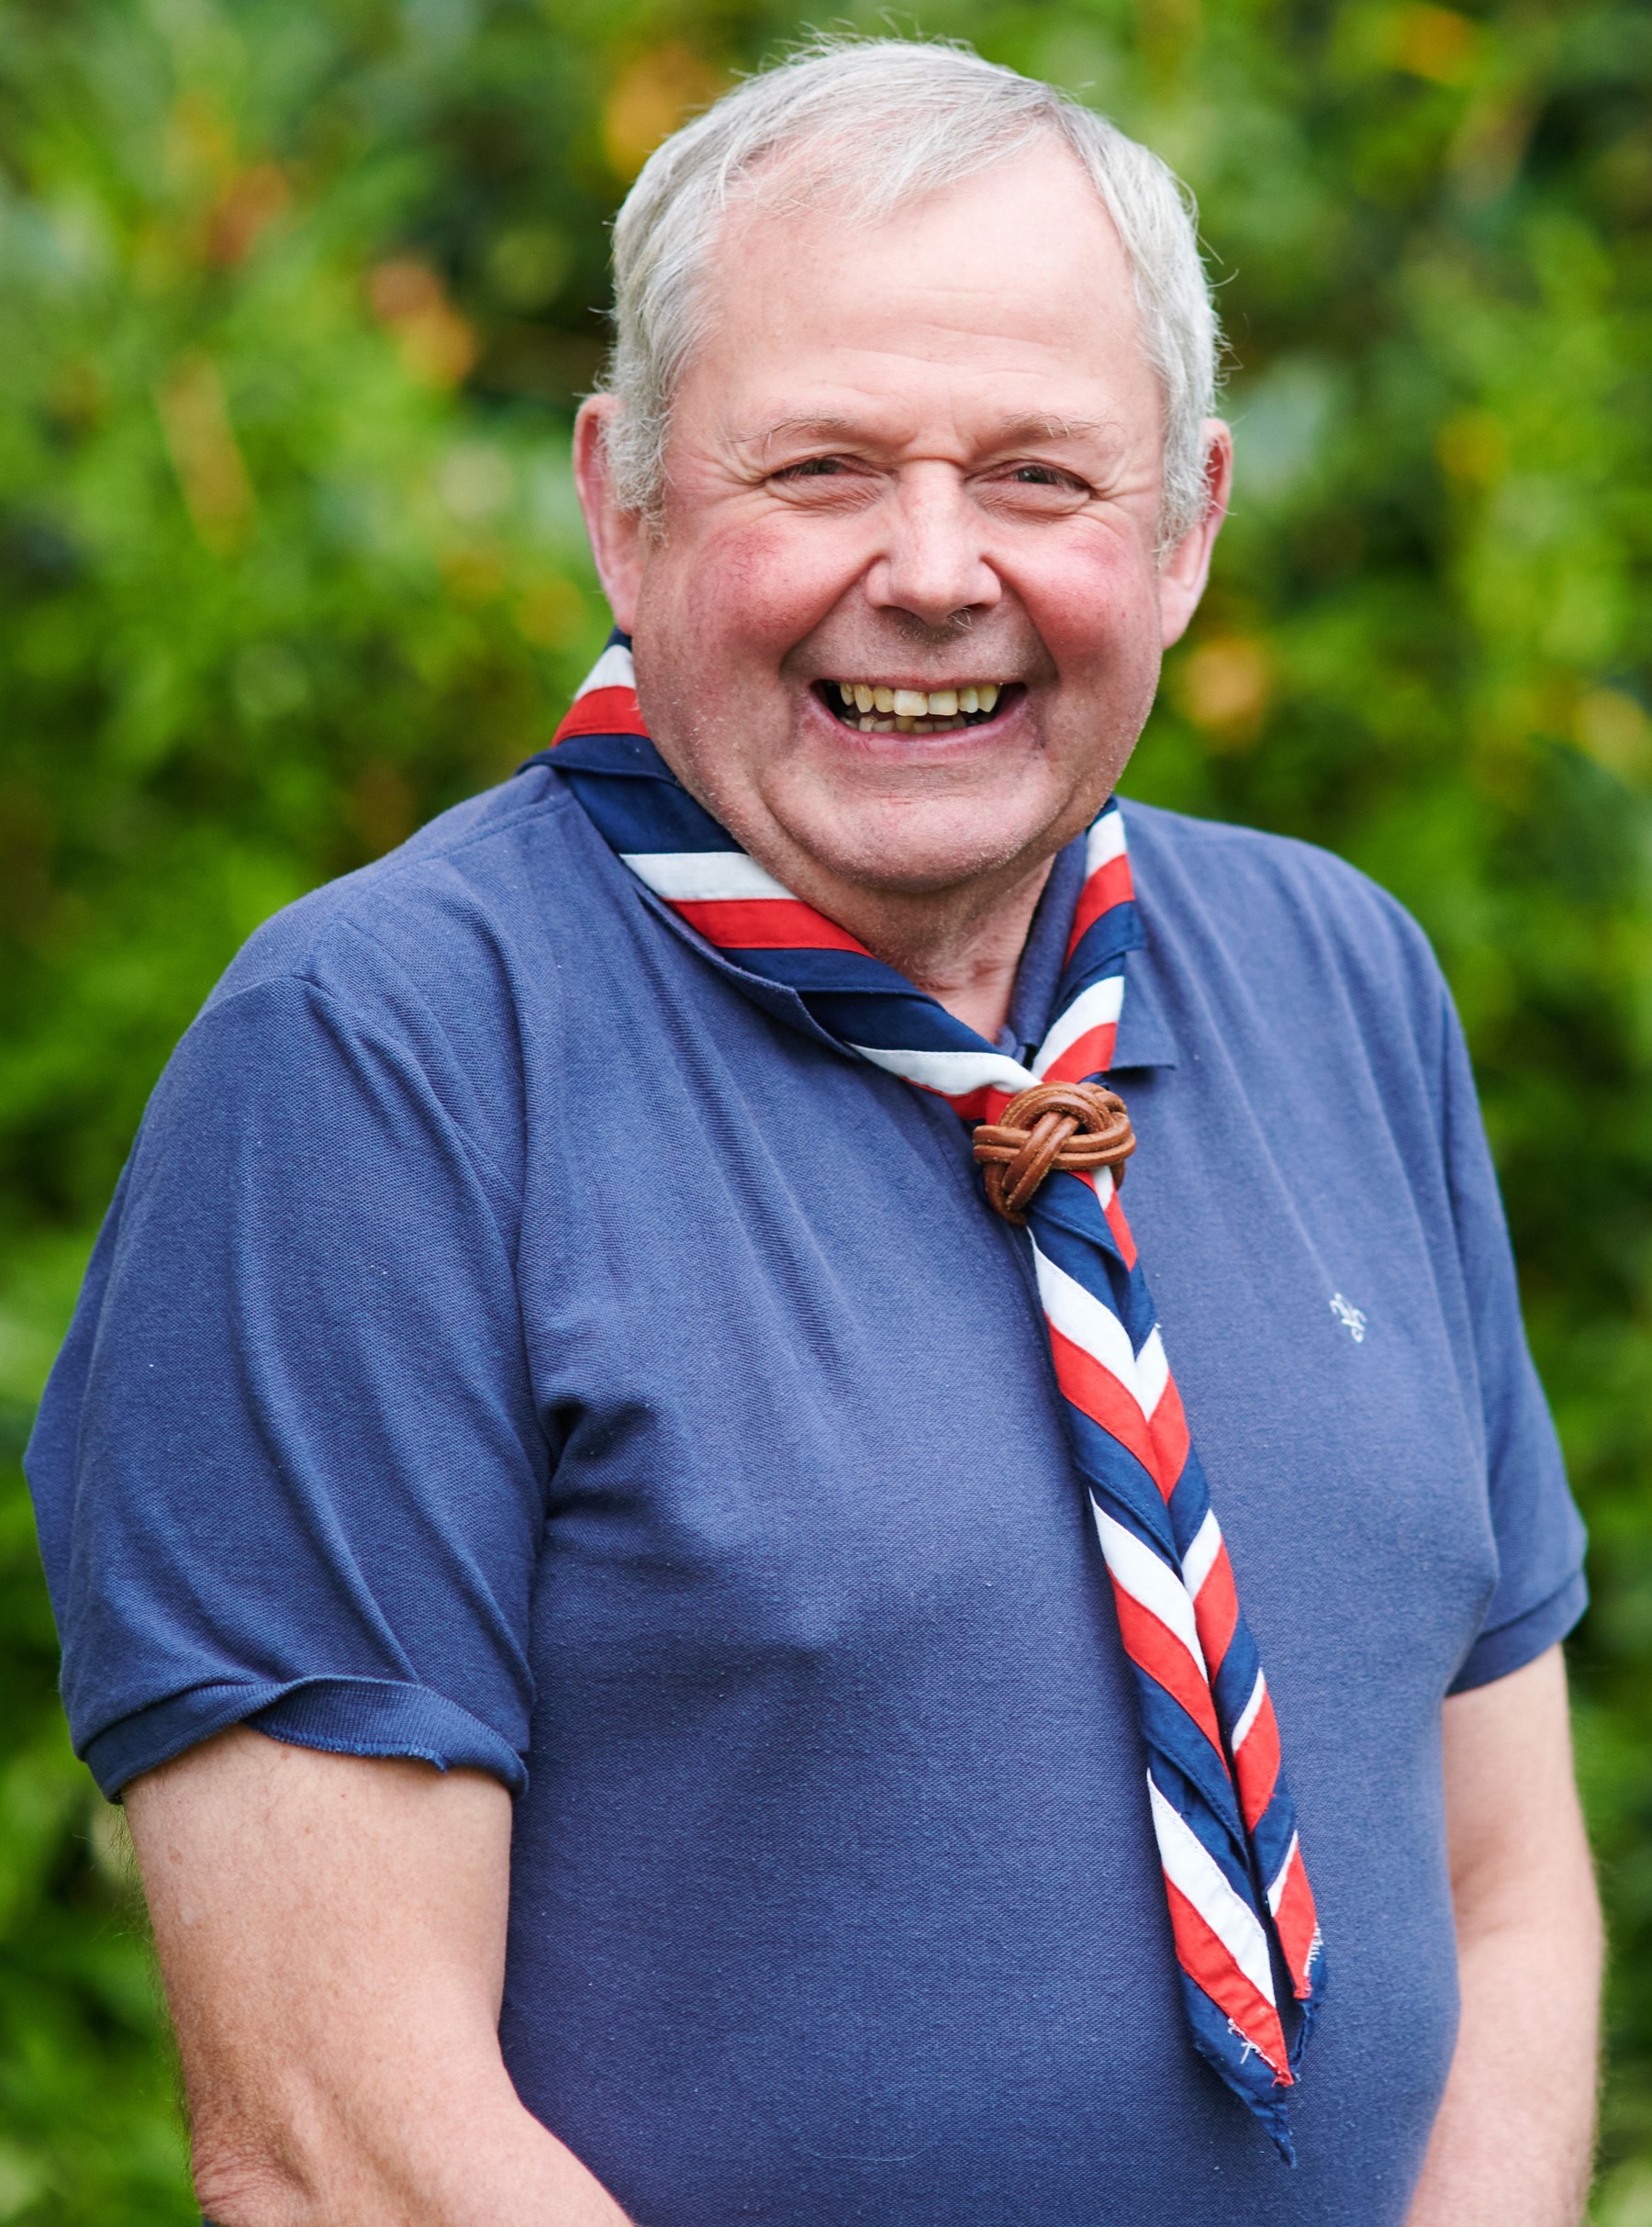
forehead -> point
(1008, 297)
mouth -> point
(875, 707)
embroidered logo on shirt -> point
(1351, 1318)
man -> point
(555, 1327)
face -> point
(902, 620)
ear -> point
(615, 534)
(1183, 574)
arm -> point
(331, 1935)
(1511, 2145)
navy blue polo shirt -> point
(517, 1344)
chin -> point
(912, 857)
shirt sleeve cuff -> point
(1512, 1645)
(342, 1716)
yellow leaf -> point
(650, 98)
(1224, 685)
(437, 344)
(1614, 731)
(1473, 448)
(200, 440)
(550, 613)
(1437, 43)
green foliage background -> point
(295, 297)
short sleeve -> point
(288, 1470)
(1540, 1591)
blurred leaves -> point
(655, 93)
(297, 295)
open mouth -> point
(877, 709)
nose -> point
(933, 564)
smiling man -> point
(949, 1707)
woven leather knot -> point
(1077, 1125)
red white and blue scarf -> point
(1242, 1913)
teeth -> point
(869, 696)
(901, 726)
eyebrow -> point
(1011, 432)
(1004, 432)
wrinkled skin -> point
(927, 454)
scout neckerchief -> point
(1241, 1910)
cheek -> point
(757, 589)
(1094, 602)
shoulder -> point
(460, 899)
(1292, 915)
(486, 932)
(1229, 865)
(420, 980)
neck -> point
(962, 947)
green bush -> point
(295, 297)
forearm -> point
(1514, 2139)
(1513, 2143)
(465, 2158)
(331, 1933)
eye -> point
(813, 467)
(1044, 475)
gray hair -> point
(872, 124)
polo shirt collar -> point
(1144, 1037)
(1144, 1040)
